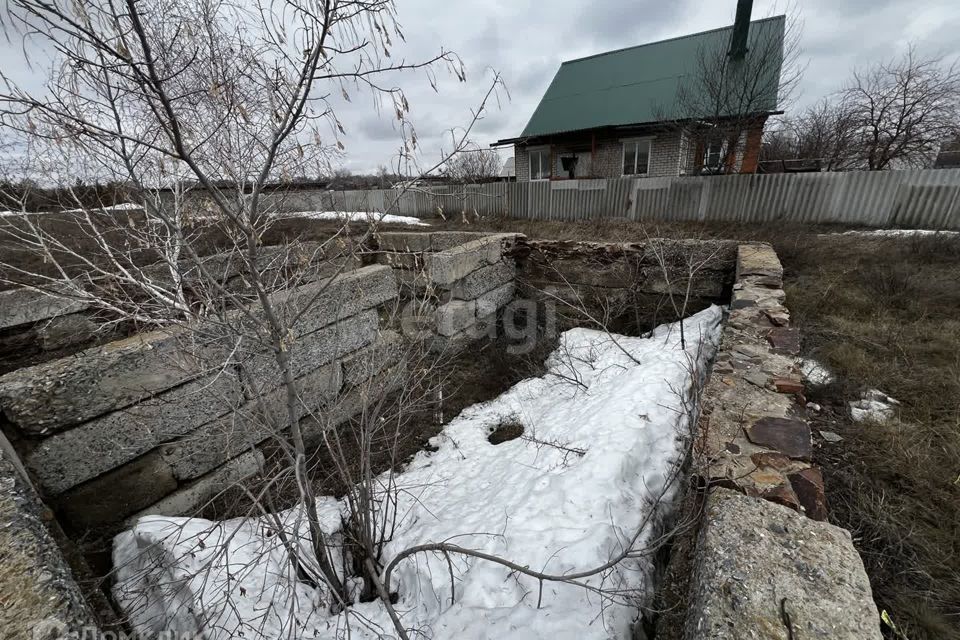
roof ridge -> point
(683, 37)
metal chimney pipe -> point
(741, 28)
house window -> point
(636, 157)
(714, 156)
(540, 164)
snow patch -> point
(356, 216)
(120, 206)
(873, 406)
(615, 402)
(894, 233)
(814, 372)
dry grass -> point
(886, 314)
(880, 313)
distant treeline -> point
(26, 196)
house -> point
(658, 109)
(509, 172)
(949, 155)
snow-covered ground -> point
(814, 372)
(356, 216)
(895, 233)
(874, 406)
(602, 432)
(123, 206)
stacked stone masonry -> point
(767, 564)
(456, 281)
(155, 422)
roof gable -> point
(636, 85)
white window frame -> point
(648, 140)
(724, 151)
(538, 150)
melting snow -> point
(814, 372)
(356, 216)
(873, 406)
(895, 233)
(561, 509)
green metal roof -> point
(638, 84)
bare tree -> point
(473, 166)
(903, 109)
(823, 138)
(196, 106)
(722, 102)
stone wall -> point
(155, 423)
(628, 284)
(766, 559)
(453, 283)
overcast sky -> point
(527, 41)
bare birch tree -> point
(196, 107)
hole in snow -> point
(505, 432)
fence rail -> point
(928, 198)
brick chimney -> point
(741, 28)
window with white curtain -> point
(636, 157)
(540, 164)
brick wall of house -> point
(521, 162)
(606, 161)
(665, 155)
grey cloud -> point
(527, 41)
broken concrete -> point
(765, 571)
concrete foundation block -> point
(321, 303)
(190, 499)
(24, 306)
(443, 240)
(490, 302)
(483, 280)
(411, 241)
(446, 267)
(307, 352)
(49, 396)
(455, 316)
(257, 420)
(397, 260)
(115, 495)
(760, 566)
(371, 360)
(40, 596)
(351, 403)
(64, 331)
(69, 458)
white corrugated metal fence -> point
(928, 198)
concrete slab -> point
(767, 572)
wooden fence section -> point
(928, 198)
